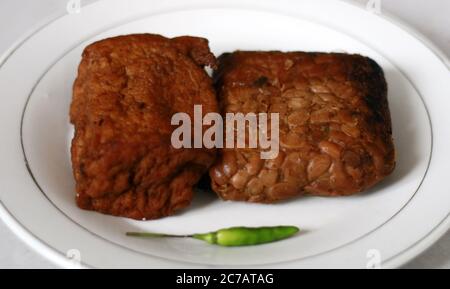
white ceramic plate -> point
(393, 222)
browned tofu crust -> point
(126, 92)
(335, 125)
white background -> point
(17, 17)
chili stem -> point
(151, 235)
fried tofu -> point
(126, 92)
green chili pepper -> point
(236, 236)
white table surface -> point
(18, 16)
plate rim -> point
(52, 254)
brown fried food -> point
(127, 90)
(335, 125)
